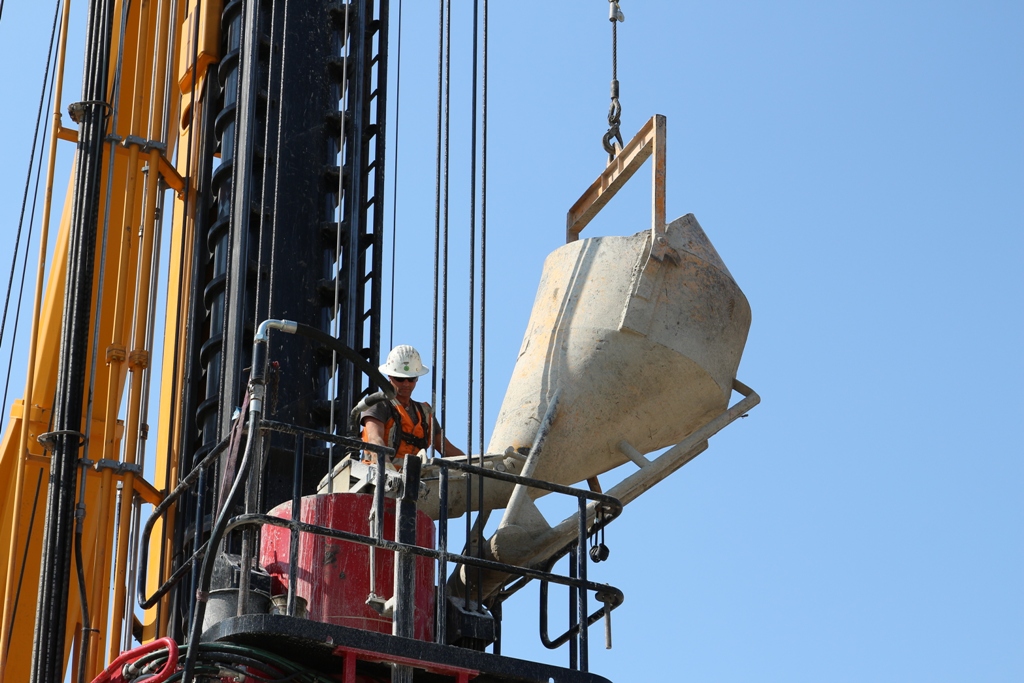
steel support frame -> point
(649, 141)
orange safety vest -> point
(410, 437)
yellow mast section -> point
(160, 53)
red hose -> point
(115, 672)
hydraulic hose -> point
(215, 537)
(371, 400)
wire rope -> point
(269, 130)
(442, 530)
(443, 409)
(483, 228)
(47, 86)
(472, 251)
(24, 559)
(472, 304)
(394, 185)
(483, 205)
(186, 200)
(612, 139)
(437, 215)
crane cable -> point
(394, 186)
(441, 190)
(472, 303)
(612, 140)
(47, 87)
(483, 228)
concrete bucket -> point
(639, 349)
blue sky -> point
(860, 168)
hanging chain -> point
(612, 140)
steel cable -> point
(613, 135)
(472, 270)
(444, 273)
(186, 213)
(483, 282)
(17, 314)
(394, 186)
(472, 302)
(47, 87)
(437, 214)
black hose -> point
(144, 602)
(215, 538)
(371, 400)
(83, 651)
(213, 657)
(335, 344)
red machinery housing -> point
(334, 575)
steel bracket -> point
(649, 141)
(118, 467)
(138, 359)
(49, 439)
(116, 352)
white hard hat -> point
(404, 361)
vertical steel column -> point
(573, 608)
(58, 533)
(405, 563)
(581, 572)
(293, 541)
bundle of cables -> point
(162, 661)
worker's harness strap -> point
(402, 436)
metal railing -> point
(603, 510)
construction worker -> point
(403, 424)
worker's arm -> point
(443, 446)
(373, 431)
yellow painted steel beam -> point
(139, 357)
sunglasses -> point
(404, 379)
